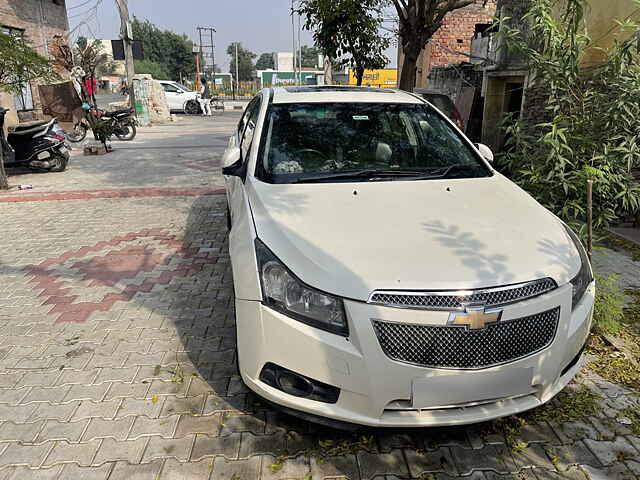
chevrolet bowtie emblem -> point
(475, 317)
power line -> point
(79, 6)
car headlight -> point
(584, 277)
(282, 291)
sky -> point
(260, 25)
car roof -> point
(336, 93)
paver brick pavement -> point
(117, 361)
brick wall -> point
(41, 20)
(458, 30)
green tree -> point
(156, 70)
(20, 64)
(246, 68)
(418, 20)
(310, 56)
(167, 48)
(348, 31)
(264, 62)
(91, 56)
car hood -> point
(350, 239)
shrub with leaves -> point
(592, 131)
(102, 131)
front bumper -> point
(378, 391)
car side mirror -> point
(485, 151)
(231, 162)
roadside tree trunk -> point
(4, 181)
(418, 20)
(408, 73)
(359, 75)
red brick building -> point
(455, 35)
(38, 22)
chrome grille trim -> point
(457, 299)
(458, 347)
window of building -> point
(23, 100)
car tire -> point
(192, 108)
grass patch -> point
(618, 370)
(632, 309)
(614, 365)
(633, 414)
(608, 310)
(331, 448)
(619, 244)
(334, 448)
(567, 406)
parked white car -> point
(385, 274)
(179, 97)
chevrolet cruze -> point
(385, 274)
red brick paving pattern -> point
(113, 193)
(112, 270)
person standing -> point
(205, 98)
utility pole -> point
(126, 35)
(237, 77)
(293, 32)
(196, 52)
(299, 53)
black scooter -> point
(38, 145)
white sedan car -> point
(385, 274)
(180, 98)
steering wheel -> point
(313, 163)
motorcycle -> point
(38, 145)
(193, 106)
(123, 125)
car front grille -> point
(447, 346)
(456, 300)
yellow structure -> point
(601, 19)
(383, 78)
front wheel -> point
(58, 162)
(78, 134)
(192, 108)
(126, 133)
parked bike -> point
(122, 122)
(38, 145)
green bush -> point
(102, 131)
(592, 130)
(609, 304)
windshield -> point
(182, 87)
(362, 142)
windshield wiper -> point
(361, 174)
(441, 172)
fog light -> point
(294, 384)
(298, 385)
